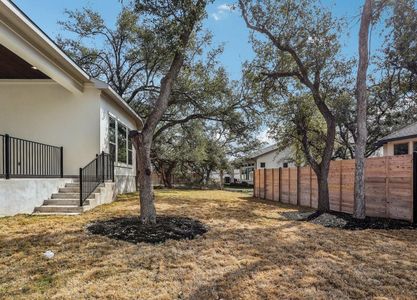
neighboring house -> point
(228, 177)
(270, 158)
(54, 120)
(402, 141)
(246, 171)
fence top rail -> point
(95, 159)
(33, 142)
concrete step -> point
(36, 213)
(73, 184)
(70, 196)
(59, 209)
(69, 190)
(65, 202)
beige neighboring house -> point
(63, 135)
(402, 141)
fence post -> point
(102, 165)
(254, 182)
(414, 187)
(279, 184)
(298, 185)
(62, 162)
(264, 183)
(81, 187)
(7, 154)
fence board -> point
(293, 188)
(388, 186)
(275, 173)
(285, 185)
(268, 184)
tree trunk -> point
(221, 179)
(361, 106)
(166, 173)
(323, 191)
(146, 194)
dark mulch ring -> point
(130, 229)
(346, 221)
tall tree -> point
(175, 21)
(299, 50)
(361, 108)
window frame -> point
(398, 144)
(117, 122)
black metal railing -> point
(28, 159)
(95, 173)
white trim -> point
(109, 92)
(117, 163)
(27, 81)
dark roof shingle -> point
(405, 132)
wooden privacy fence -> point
(388, 186)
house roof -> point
(23, 37)
(264, 151)
(407, 132)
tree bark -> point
(221, 179)
(361, 107)
(144, 175)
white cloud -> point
(224, 7)
(265, 137)
(221, 12)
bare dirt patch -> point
(130, 229)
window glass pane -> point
(112, 149)
(112, 130)
(129, 142)
(262, 165)
(400, 149)
(121, 144)
(129, 157)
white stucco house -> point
(400, 142)
(270, 157)
(54, 120)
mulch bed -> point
(346, 221)
(130, 229)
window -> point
(112, 138)
(285, 165)
(129, 151)
(120, 147)
(262, 165)
(400, 149)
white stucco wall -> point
(45, 112)
(124, 174)
(389, 147)
(21, 196)
(274, 159)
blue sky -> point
(226, 25)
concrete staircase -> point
(67, 200)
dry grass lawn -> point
(250, 252)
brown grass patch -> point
(250, 252)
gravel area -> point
(346, 221)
